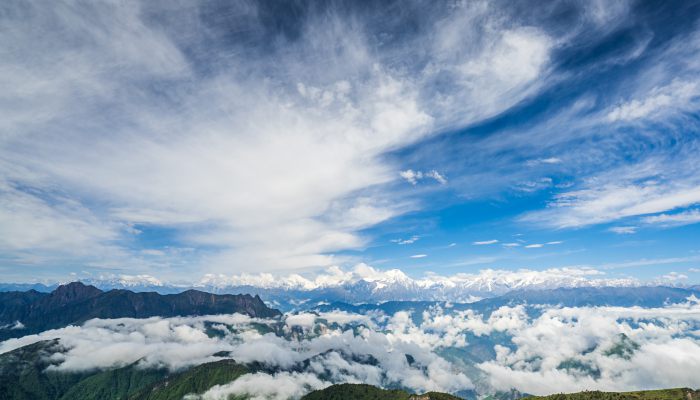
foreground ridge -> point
(351, 391)
(663, 394)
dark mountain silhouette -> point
(76, 303)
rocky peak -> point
(74, 291)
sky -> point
(180, 138)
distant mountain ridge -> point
(298, 293)
(75, 303)
(654, 296)
(364, 283)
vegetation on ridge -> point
(664, 394)
(349, 391)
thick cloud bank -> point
(533, 349)
(606, 348)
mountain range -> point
(24, 313)
(366, 286)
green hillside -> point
(349, 391)
(195, 380)
(25, 374)
(665, 394)
(115, 384)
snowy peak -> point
(396, 285)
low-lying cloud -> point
(534, 349)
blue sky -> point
(180, 139)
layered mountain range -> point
(364, 284)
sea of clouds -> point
(534, 349)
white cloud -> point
(584, 335)
(173, 342)
(419, 256)
(549, 160)
(410, 240)
(534, 246)
(305, 320)
(534, 185)
(13, 326)
(682, 218)
(332, 352)
(604, 203)
(665, 336)
(676, 96)
(652, 261)
(635, 182)
(485, 242)
(694, 270)
(53, 223)
(413, 177)
(623, 230)
(262, 386)
(273, 165)
(673, 277)
(437, 176)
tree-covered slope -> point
(665, 394)
(196, 380)
(349, 391)
(25, 373)
(29, 373)
(116, 384)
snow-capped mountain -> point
(365, 284)
(397, 285)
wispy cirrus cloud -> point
(178, 124)
(640, 182)
(410, 240)
(485, 242)
(678, 219)
(623, 230)
(677, 96)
